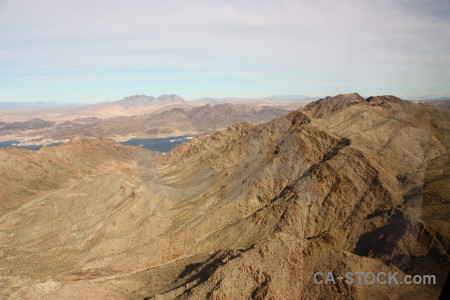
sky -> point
(102, 50)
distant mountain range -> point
(138, 116)
(144, 100)
(441, 102)
(167, 99)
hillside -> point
(346, 184)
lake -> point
(29, 147)
(157, 144)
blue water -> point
(158, 144)
(29, 147)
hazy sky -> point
(96, 50)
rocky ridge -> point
(345, 185)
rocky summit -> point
(346, 184)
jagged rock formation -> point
(345, 185)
